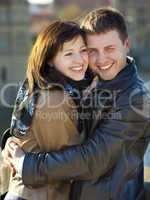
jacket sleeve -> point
(92, 159)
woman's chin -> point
(78, 77)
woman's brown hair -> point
(48, 43)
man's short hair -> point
(103, 20)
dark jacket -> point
(109, 165)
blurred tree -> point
(3, 73)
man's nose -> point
(101, 58)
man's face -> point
(107, 53)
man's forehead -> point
(103, 39)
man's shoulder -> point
(139, 90)
(136, 101)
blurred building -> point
(14, 39)
(138, 17)
(14, 49)
(76, 9)
(40, 15)
(84, 4)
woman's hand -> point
(12, 154)
(6, 154)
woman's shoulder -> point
(56, 95)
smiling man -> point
(109, 164)
(107, 53)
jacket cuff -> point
(30, 173)
(5, 135)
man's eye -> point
(110, 49)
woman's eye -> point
(91, 51)
(68, 54)
(84, 50)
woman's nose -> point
(79, 58)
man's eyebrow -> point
(111, 45)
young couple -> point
(95, 151)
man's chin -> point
(107, 78)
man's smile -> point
(105, 67)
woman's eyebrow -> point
(68, 50)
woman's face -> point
(72, 60)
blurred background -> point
(21, 21)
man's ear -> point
(127, 44)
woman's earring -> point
(51, 65)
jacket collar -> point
(123, 80)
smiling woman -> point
(40, 2)
(56, 68)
